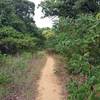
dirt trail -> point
(49, 88)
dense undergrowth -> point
(78, 40)
(12, 41)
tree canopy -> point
(69, 8)
(18, 14)
(18, 30)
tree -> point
(18, 30)
(69, 8)
(18, 14)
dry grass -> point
(24, 71)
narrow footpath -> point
(49, 87)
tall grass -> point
(11, 70)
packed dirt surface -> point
(49, 87)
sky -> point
(41, 22)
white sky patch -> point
(41, 22)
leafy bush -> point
(12, 41)
(4, 79)
(79, 41)
(80, 92)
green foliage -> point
(12, 41)
(80, 92)
(18, 14)
(18, 30)
(47, 33)
(69, 8)
(5, 79)
(79, 41)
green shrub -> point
(12, 41)
(13, 71)
(79, 41)
(5, 79)
(80, 92)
